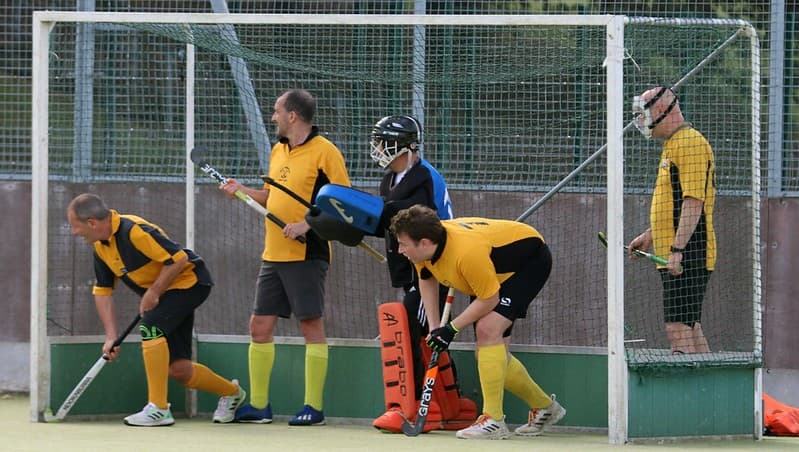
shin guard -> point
(397, 359)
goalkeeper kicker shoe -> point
(226, 408)
(540, 419)
(308, 416)
(151, 416)
(485, 427)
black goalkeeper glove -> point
(440, 338)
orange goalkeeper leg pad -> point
(397, 360)
(448, 411)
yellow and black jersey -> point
(136, 252)
(686, 169)
(303, 170)
(479, 254)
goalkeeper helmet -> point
(394, 136)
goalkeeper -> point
(502, 265)
(395, 142)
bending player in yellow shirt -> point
(502, 265)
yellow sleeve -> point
(334, 168)
(694, 161)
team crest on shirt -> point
(283, 174)
(665, 163)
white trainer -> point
(151, 416)
(485, 427)
(226, 408)
(539, 419)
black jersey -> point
(422, 184)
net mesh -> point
(508, 112)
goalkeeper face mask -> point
(642, 117)
(384, 152)
(642, 114)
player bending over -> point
(502, 265)
(172, 282)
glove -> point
(440, 338)
(329, 227)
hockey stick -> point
(429, 380)
(298, 198)
(87, 379)
(197, 155)
(656, 259)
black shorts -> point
(173, 319)
(683, 295)
(285, 288)
(518, 291)
(417, 317)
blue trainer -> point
(248, 413)
(308, 416)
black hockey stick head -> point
(411, 429)
(198, 154)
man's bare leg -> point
(700, 344)
(680, 336)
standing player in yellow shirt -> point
(501, 265)
(680, 217)
(292, 275)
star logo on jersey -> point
(337, 205)
(504, 301)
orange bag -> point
(779, 419)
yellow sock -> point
(492, 365)
(156, 366)
(315, 374)
(207, 380)
(521, 384)
(262, 359)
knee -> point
(487, 332)
(260, 330)
(181, 370)
(313, 330)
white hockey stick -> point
(87, 379)
(197, 156)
